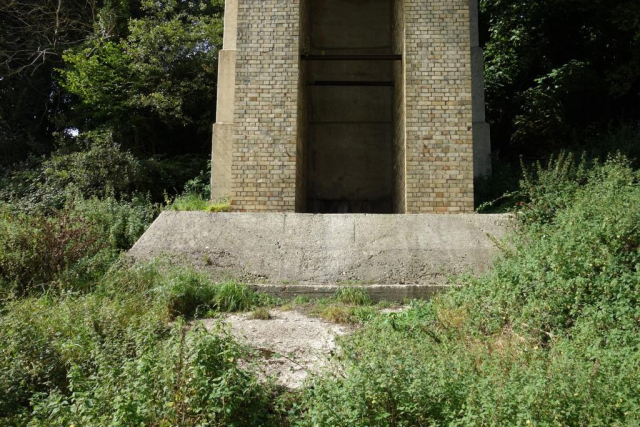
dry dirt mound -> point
(292, 345)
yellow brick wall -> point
(433, 122)
(439, 144)
(263, 172)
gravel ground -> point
(292, 346)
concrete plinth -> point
(481, 129)
(222, 141)
(221, 160)
(307, 254)
(481, 149)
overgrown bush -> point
(67, 249)
(113, 361)
(201, 184)
(549, 337)
(35, 250)
(121, 222)
(117, 356)
(98, 168)
(91, 166)
(501, 191)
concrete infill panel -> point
(221, 158)
(291, 251)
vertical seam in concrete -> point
(354, 230)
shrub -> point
(99, 166)
(70, 248)
(93, 166)
(42, 338)
(549, 337)
(97, 361)
(552, 188)
(122, 222)
(118, 355)
(189, 379)
(35, 249)
(201, 184)
(501, 191)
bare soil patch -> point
(291, 345)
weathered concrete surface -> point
(291, 346)
(291, 250)
(226, 86)
(230, 36)
(221, 160)
(481, 149)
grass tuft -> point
(352, 295)
(195, 202)
(261, 313)
(191, 294)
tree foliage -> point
(558, 70)
(156, 83)
(144, 71)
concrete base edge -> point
(377, 293)
(397, 256)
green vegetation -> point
(88, 339)
(141, 70)
(195, 202)
(105, 117)
(352, 295)
(349, 305)
(559, 73)
(114, 356)
(261, 313)
(69, 249)
(191, 294)
(549, 337)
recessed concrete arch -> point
(349, 84)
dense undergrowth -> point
(551, 336)
(124, 353)
(86, 338)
